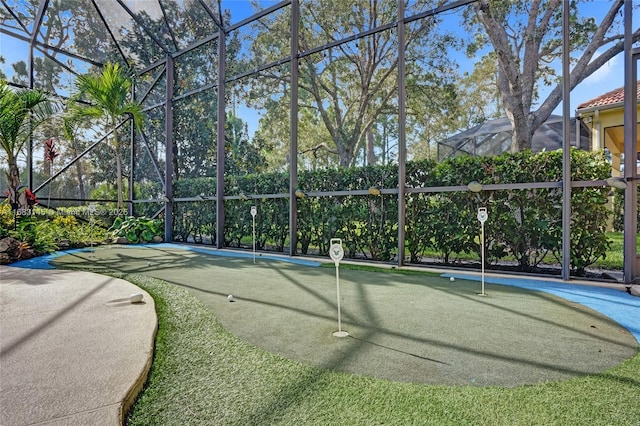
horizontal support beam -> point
(391, 191)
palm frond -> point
(21, 112)
(109, 92)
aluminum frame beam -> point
(630, 266)
(402, 134)
(169, 145)
(566, 143)
(220, 144)
(293, 128)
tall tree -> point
(347, 86)
(241, 156)
(57, 32)
(21, 112)
(109, 94)
(526, 39)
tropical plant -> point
(137, 229)
(21, 112)
(109, 94)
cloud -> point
(612, 69)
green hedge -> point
(523, 224)
(618, 209)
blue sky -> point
(609, 77)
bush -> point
(137, 229)
(618, 210)
(525, 225)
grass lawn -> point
(614, 259)
(204, 375)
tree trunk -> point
(79, 166)
(521, 137)
(80, 175)
(119, 181)
(116, 146)
(516, 111)
(46, 167)
(346, 153)
(13, 179)
(371, 157)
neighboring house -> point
(493, 137)
(604, 116)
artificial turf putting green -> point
(409, 328)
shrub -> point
(525, 224)
(618, 210)
(137, 229)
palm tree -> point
(21, 112)
(108, 95)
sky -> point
(609, 77)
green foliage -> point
(75, 230)
(109, 93)
(137, 229)
(46, 230)
(618, 209)
(343, 102)
(34, 233)
(198, 218)
(7, 220)
(525, 225)
(21, 112)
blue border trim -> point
(42, 262)
(616, 304)
(239, 254)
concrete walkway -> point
(73, 349)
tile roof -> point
(613, 97)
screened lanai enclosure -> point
(328, 119)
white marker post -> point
(336, 252)
(482, 217)
(254, 212)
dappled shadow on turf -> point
(398, 350)
(374, 337)
(548, 298)
(371, 330)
